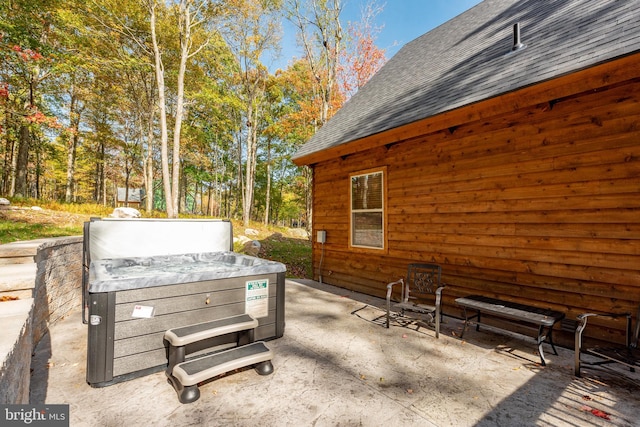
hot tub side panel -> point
(122, 346)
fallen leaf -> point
(601, 414)
(585, 397)
(596, 412)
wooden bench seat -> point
(543, 318)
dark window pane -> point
(366, 191)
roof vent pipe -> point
(517, 44)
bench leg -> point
(540, 351)
(550, 337)
(541, 339)
(466, 321)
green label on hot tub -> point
(257, 298)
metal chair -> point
(627, 354)
(421, 287)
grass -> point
(59, 219)
(295, 253)
(11, 231)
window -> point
(367, 210)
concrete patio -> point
(337, 366)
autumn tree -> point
(192, 18)
(212, 126)
(362, 58)
(166, 37)
(297, 118)
(26, 44)
(321, 36)
(253, 29)
(285, 123)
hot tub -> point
(131, 300)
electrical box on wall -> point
(322, 236)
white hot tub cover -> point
(124, 238)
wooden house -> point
(509, 154)
(130, 197)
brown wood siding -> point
(540, 205)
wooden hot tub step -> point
(186, 375)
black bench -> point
(543, 318)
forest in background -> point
(173, 97)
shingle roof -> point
(469, 59)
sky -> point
(402, 21)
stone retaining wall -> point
(58, 283)
(49, 293)
(16, 347)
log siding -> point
(534, 203)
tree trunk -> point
(38, 168)
(71, 167)
(100, 176)
(7, 171)
(252, 150)
(71, 149)
(164, 141)
(148, 167)
(104, 176)
(22, 162)
(185, 40)
(239, 190)
(268, 191)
